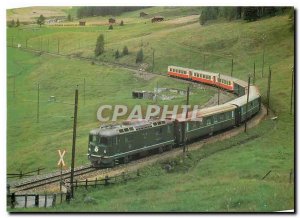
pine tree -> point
(12, 23)
(117, 54)
(41, 20)
(99, 45)
(18, 23)
(69, 17)
(110, 27)
(139, 56)
(125, 50)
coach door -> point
(190, 74)
(214, 79)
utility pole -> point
(38, 104)
(263, 57)
(152, 60)
(57, 46)
(292, 91)
(14, 93)
(185, 148)
(84, 91)
(219, 89)
(74, 142)
(254, 73)
(156, 97)
(269, 90)
(246, 116)
(231, 66)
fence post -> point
(54, 200)
(106, 180)
(68, 197)
(12, 200)
(38, 171)
(36, 201)
(86, 181)
(25, 201)
(45, 203)
(61, 194)
(291, 173)
(8, 189)
(21, 174)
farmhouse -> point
(82, 23)
(143, 14)
(157, 19)
(111, 20)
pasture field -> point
(224, 180)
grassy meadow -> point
(228, 180)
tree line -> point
(89, 11)
(244, 13)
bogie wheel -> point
(160, 150)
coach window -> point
(215, 118)
(208, 122)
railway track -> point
(50, 178)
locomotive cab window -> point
(104, 141)
(93, 138)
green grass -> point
(29, 142)
(229, 180)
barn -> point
(157, 19)
(111, 20)
(82, 23)
(143, 14)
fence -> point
(36, 200)
(50, 200)
(22, 174)
(123, 177)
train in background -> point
(114, 144)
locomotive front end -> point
(99, 149)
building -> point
(143, 14)
(157, 19)
(82, 23)
(111, 20)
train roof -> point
(253, 94)
(127, 126)
(205, 112)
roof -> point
(253, 94)
(205, 112)
(127, 126)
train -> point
(118, 144)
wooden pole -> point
(269, 90)
(292, 91)
(231, 66)
(219, 89)
(84, 91)
(263, 64)
(74, 142)
(14, 93)
(246, 116)
(38, 104)
(60, 185)
(254, 73)
(152, 60)
(185, 148)
(57, 46)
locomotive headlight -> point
(96, 149)
(104, 151)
